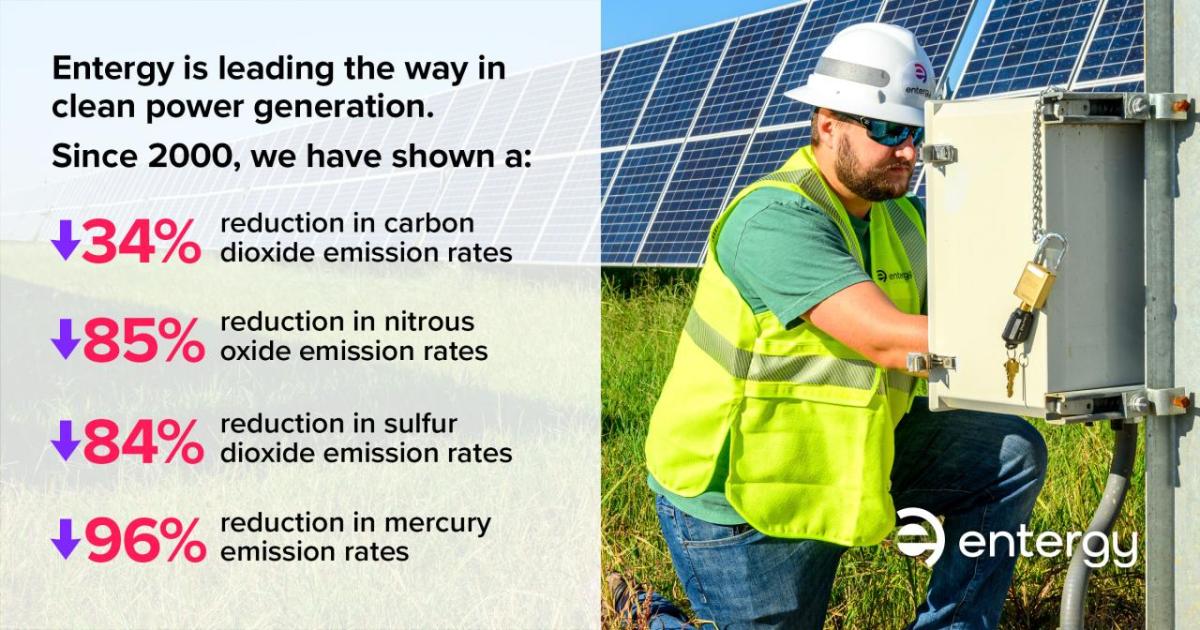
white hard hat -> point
(873, 70)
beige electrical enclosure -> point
(980, 218)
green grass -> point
(642, 314)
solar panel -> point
(936, 23)
(425, 134)
(1027, 44)
(693, 199)
(495, 116)
(631, 200)
(607, 61)
(574, 211)
(379, 131)
(531, 118)
(748, 71)
(608, 166)
(571, 122)
(459, 195)
(532, 207)
(768, 151)
(205, 179)
(318, 199)
(686, 75)
(918, 187)
(490, 203)
(426, 188)
(1116, 46)
(208, 218)
(626, 93)
(824, 20)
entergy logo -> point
(884, 276)
(920, 72)
(914, 549)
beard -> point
(874, 184)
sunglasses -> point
(889, 134)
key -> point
(1011, 367)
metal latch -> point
(925, 361)
(938, 154)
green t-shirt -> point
(785, 256)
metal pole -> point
(1160, 329)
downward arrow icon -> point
(65, 543)
(64, 443)
(65, 342)
(64, 243)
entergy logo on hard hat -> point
(920, 72)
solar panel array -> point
(682, 123)
(727, 121)
(665, 181)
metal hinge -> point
(938, 154)
(1113, 107)
(925, 361)
(1131, 402)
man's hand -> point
(863, 318)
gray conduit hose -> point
(1074, 597)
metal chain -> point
(1038, 230)
(1037, 166)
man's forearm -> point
(863, 318)
(907, 333)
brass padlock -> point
(1038, 277)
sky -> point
(627, 21)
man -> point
(788, 429)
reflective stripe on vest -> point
(800, 369)
(914, 243)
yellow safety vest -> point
(809, 421)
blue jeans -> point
(981, 471)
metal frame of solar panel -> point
(740, 124)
